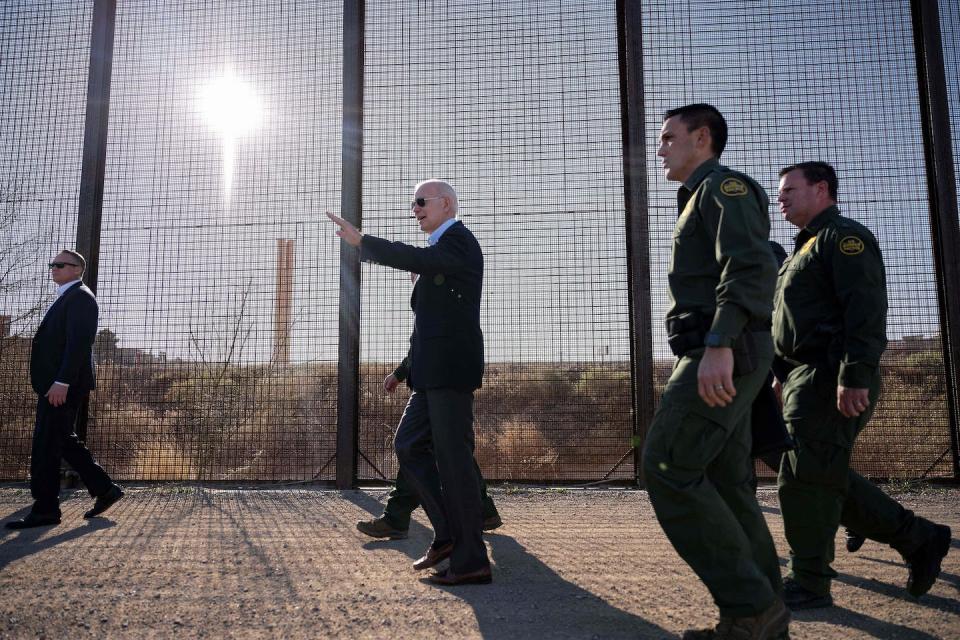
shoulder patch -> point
(851, 246)
(733, 187)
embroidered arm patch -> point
(851, 246)
(733, 187)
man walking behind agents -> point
(434, 440)
(697, 454)
(62, 374)
(829, 328)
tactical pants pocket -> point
(820, 463)
(681, 439)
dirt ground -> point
(186, 562)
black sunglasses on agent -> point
(422, 202)
(61, 265)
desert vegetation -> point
(156, 420)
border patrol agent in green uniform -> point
(394, 523)
(829, 329)
(696, 456)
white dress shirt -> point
(434, 237)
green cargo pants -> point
(403, 501)
(819, 491)
(699, 476)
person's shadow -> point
(17, 544)
(843, 617)
(839, 616)
(928, 600)
(528, 599)
(552, 607)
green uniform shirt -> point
(722, 266)
(831, 299)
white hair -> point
(444, 189)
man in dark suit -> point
(434, 441)
(394, 522)
(62, 374)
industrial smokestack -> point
(284, 302)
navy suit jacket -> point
(63, 345)
(446, 348)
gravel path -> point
(186, 562)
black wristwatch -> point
(714, 339)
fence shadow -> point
(545, 592)
(555, 607)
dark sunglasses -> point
(422, 202)
(61, 265)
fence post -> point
(632, 116)
(90, 206)
(942, 188)
(93, 163)
(348, 382)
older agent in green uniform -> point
(829, 329)
(697, 454)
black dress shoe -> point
(34, 520)
(854, 540)
(105, 501)
(434, 556)
(450, 579)
(924, 565)
(492, 522)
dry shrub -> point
(581, 413)
(910, 429)
(116, 435)
(18, 406)
(292, 429)
(161, 460)
(517, 451)
(538, 421)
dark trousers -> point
(699, 475)
(54, 438)
(434, 443)
(818, 490)
(403, 501)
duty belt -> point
(686, 332)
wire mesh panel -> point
(950, 36)
(832, 81)
(517, 105)
(44, 52)
(218, 275)
(218, 285)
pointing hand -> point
(349, 233)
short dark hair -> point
(76, 256)
(703, 115)
(815, 172)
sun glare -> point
(231, 109)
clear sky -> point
(516, 103)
